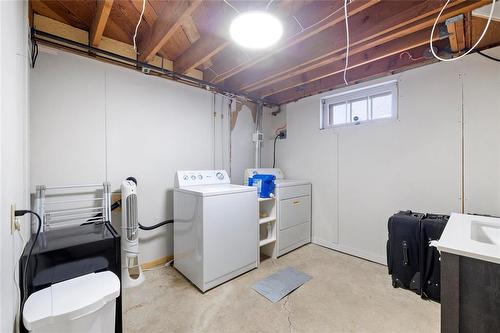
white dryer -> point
(215, 229)
(293, 212)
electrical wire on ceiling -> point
(347, 42)
(410, 56)
(139, 23)
(298, 22)
(227, 3)
(473, 47)
(269, 4)
(210, 69)
(487, 56)
(303, 29)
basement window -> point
(361, 105)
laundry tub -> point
(83, 304)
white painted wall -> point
(242, 147)
(363, 174)
(13, 149)
(92, 121)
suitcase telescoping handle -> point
(405, 253)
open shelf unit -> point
(267, 227)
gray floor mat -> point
(278, 285)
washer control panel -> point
(201, 177)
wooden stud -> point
(355, 7)
(189, 28)
(413, 19)
(165, 26)
(383, 67)
(456, 31)
(357, 59)
(199, 53)
(101, 18)
(57, 28)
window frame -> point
(364, 93)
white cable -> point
(227, 3)
(269, 4)
(473, 47)
(347, 42)
(139, 23)
(300, 25)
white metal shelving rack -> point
(267, 228)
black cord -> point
(144, 227)
(34, 53)
(487, 56)
(25, 269)
(274, 150)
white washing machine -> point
(293, 213)
(215, 229)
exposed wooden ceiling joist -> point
(100, 20)
(379, 68)
(337, 16)
(382, 67)
(492, 36)
(193, 34)
(456, 30)
(397, 46)
(169, 20)
(368, 31)
(199, 53)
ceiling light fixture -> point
(256, 30)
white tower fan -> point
(131, 269)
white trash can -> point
(83, 304)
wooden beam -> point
(41, 8)
(383, 67)
(455, 27)
(368, 32)
(99, 24)
(337, 16)
(199, 53)
(31, 13)
(395, 47)
(169, 20)
(492, 36)
(189, 28)
(57, 28)
(149, 13)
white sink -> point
(472, 236)
(485, 232)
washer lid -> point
(221, 189)
(290, 182)
(70, 299)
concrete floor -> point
(346, 294)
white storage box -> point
(83, 304)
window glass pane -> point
(359, 110)
(382, 106)
(337, 114)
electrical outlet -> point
(282, 134)
(14, 224)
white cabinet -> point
(293, 215)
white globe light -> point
(256, 30)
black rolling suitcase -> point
(431, 228)
(403, 250)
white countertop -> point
(472, 236)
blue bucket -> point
(264, 183)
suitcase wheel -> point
(395, 284)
